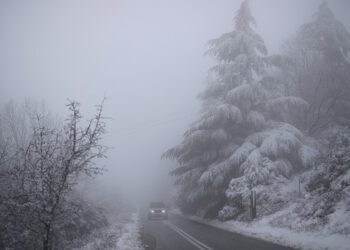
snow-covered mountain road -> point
(180, 233)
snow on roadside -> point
(130, 238)
(261, 229)
(121, 234)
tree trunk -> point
(47, 244)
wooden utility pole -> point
(253, 204)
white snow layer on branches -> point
(246, 93)
(189, 176)
(282, 138)
(254, 169)
(222, 113)
(197, 137)
(228, 150)
(260, 170)
(226, 112)
(226, 71)
(241, 154)
(238, 186)
(286, 103)
(256, 119)
(197, 193)
(228, 46)
(279, 142)
(262, 158)
(219, 135)
(214, 173)
(243, 91)
(307, 155)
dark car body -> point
(157, 210)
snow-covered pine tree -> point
(316, 67)
(239, 142)
(310, 93)
(231, 111)
(318, 71)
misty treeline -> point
(41, 161)
(269, 119)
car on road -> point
(157, 210)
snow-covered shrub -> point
(331, 180)
(325, 204)
(229, 212)
(82, 220)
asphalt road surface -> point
(179, 233)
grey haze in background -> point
(146, 57)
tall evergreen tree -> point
(236, 144)
(318, 71)
(230, 112)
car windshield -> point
(157, 205)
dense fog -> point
(146, 57)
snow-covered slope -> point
(263, 229)
(122, 234)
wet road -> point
(179, 233)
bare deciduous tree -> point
(43, 170)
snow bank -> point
(122, 234)
(130, 238)
(261, 229)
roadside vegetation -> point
(41, 161)
(276, 124)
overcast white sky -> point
(146, 56)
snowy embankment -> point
(122, 234)
(130, 237)
(262, 229)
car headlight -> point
(152, 211)
(163, 211)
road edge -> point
(232, 230)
